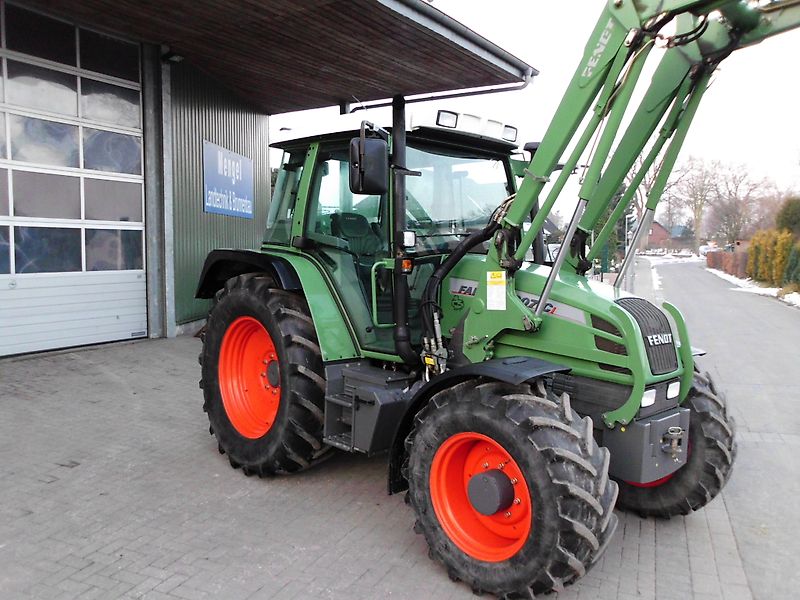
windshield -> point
(454, 196)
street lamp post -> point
(628, 218)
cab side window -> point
(284, 198)
(339, 217)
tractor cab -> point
(458, 177)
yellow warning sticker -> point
(495, 290)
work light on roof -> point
(510, 133)
(446, 118)
(466, 123)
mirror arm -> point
(406, 172)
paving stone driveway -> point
(110, 487)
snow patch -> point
(732, 278)
(793, 298)
(759, 290)
(748, 285)
(656, 279)
(671, 259)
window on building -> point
(47, 249)
(43, 89)
(109, 103)
(3, 192)
(71, 181)
(31, 33)
(109, 200)
(110, 151)
(5, 254)
(109, 55)
(2, 129)
(43, 141)
(113, 249)
(46, 195)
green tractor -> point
(402, 302)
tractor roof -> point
(421, 135)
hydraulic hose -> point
(432, 287)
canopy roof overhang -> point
(286, 55)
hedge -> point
(770, 257)
(784, 240)
(733, 263)
(791, 274)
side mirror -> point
(369, 164)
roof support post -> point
(153, 189)
(402, 334)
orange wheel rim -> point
(249, 377)
(490, 538)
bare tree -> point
(695, 189)
(735, 204)
(672, 211)
(642, 193)
(767, 206)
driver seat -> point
(360, 236)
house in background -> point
(681, 236)
(658, 236)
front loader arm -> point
(621, 40)
(597, 98)
(602, 85)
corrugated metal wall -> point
(204, 110)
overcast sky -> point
(750, 116)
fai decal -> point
(463, 287)
(469, 287)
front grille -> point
(602, 343)
(589, 396)
(615, 369)
(653, 322)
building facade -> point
(133, 142)
(82, 211)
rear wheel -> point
(263, 378)
(509, 487)
(711, 452)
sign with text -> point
(227, 182)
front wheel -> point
(711, 451)
(509, 487)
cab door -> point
(350, 233)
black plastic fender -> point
(514, 370)
(221, 265)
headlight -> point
(648, 398)
(673, 389)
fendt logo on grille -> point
(659, 339)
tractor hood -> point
(597, 330)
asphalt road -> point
(753, 345)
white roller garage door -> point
(71, 187)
